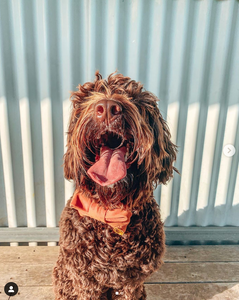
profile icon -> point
(11, 289)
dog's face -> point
(118, 144)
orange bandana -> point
(117, 218)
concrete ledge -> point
(173, 234)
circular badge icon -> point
(229, 150)
(11, 289)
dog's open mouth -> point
(112, 158)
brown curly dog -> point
(118, 150)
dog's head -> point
(118, 145)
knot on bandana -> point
(117, 218)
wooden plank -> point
(28, 274)
(212, 291)
(30, 293)
(202, 253)
(182, 234)
(29, 255)
(196, 272)
(190, 272)
(45, 254)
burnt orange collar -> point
(117, 218)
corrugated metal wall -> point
(184, 51)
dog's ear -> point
(69, 165)
(71, 160)
(163, 151)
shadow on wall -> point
(219, 216)
(223, 215)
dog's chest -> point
(105, 247)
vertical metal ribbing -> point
(231, 209)
(86, 42)
(183, 109)
(74, 22)
(7, 165)
(154, 58)
(66, 81)
(155, 41)
(222, 115)
(12, 150)
(52, 35)
(42, 70)
(3, 202)
(48, 47)
(110, 36)
(123, 36)
(77, 42)
(3, 182)
(204, 98)
(211, 202)
(47, 143)
(53, 42)
(165, 56)
(133, 42)
(170, 50)
(43, 167)
(145, 28)
(163, 88)
(99, 36)
(65, 48)
(27, 89)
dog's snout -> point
(107, 110)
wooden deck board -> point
(173, 254)
(212, 291)
(202, 253)
(169, 273)
(189, 272)
(194, 291)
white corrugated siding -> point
(185, 51)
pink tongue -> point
(110, 168)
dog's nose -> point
(107, 110)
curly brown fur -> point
(95, 262)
